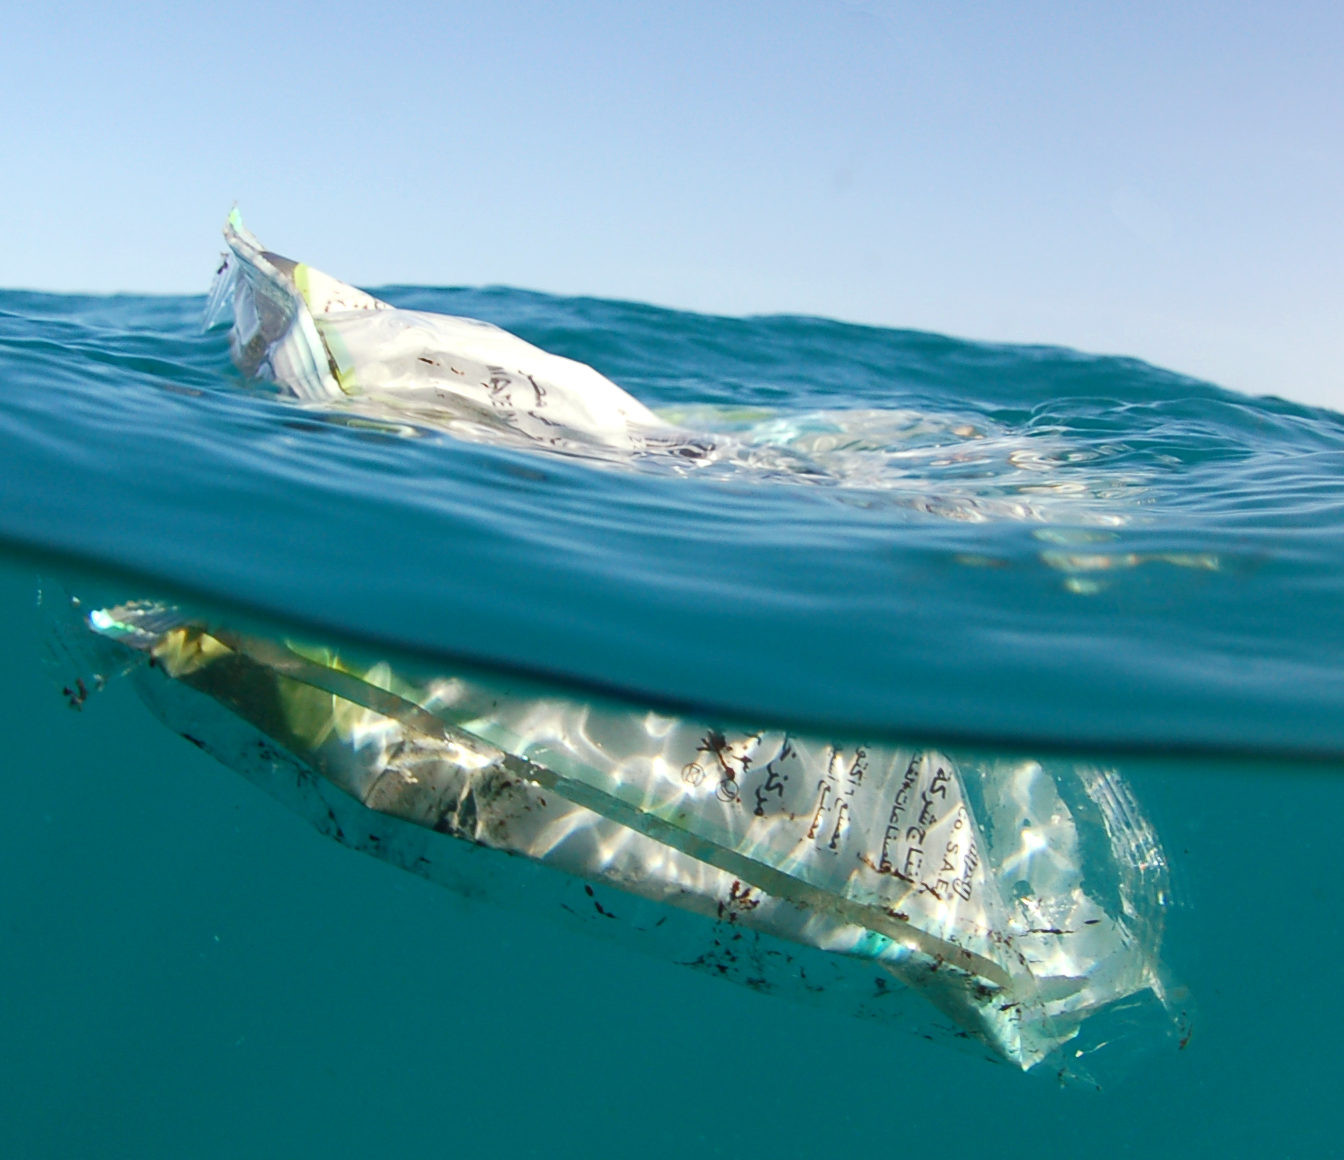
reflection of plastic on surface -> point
(327, 344)
(1020, 898)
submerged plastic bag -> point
(1020, 898)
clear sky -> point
(1154, 179)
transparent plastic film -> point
(323, 343)
(1020, 898)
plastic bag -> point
(1020, 898)
(1004, 902)
(321, 340)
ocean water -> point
(1023, 551)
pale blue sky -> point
(1156, 179)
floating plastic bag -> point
(1019, 898)
(321, 340)
(1010, 903)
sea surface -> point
(914, 539)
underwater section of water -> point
(180, 944)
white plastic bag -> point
(1020, 898)
(321, 340)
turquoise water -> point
(1025, 549)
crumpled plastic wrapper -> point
(1006, 903)
(321, 340)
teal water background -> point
(189, 970)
